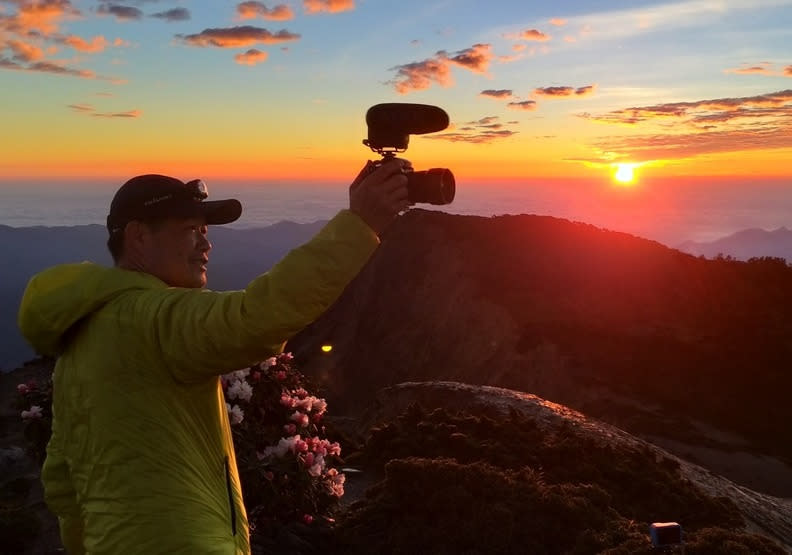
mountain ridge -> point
(622, 328)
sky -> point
(279, 90)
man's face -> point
(177, 251)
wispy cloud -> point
(43, 16)
(499, 94)
(251, 57)
(121, 13)
(235, 37)
(82, 107)
(525, 105)
(701, 127)
(253, 10)
(96, 44)
(420, 75)
(565, 92)
(129, 114)
(761, 68)
(558, 21)
(485, 130)
(695, 111)
(329, 6)
(47, 67)
(529, 34)
(620, 24)
(175, 14)
(25, 52)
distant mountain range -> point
(237, 257)
(746, 244)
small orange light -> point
(327, 348)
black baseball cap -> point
(152, 196)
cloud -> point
(43, 16)
(420, 75)
(675, 146)
(121, 13)
(329, 6)
(475, 58)
(703, 127)
(97, 44)
(235, 37)
(700, 110)
(564, 92)
(526, 105)
(47, 67)
(417, 76)
(129, 114)
(251, 57)
(558, 22)
(762, 68)
(25, 52)
(484, 130)
(500, 94)
(667, 16)
(175, 14)
(82, 107)
(252, 10)
(475, 138)
(531, 34)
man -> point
(141, 458)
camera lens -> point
(433, 186)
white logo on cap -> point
(155, 200)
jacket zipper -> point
(230, 496)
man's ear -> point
(136, 235)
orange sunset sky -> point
(279, 90)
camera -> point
(389, 128)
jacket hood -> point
(59, 297)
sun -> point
(624, 174)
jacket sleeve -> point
(203, 333)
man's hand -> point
(381, 195)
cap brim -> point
(218, 212)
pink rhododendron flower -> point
(290, 429)
(307, 519)
(287, 400)
(281, 375)
(319, 405)
(271, 361)
(23, 388)
(300, 446)
(301, 393)
(286, 357)
(34, 412)
(309, 459)
(336, 482)
(305, 404)
(299, 418)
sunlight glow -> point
(327, 348)
(624, 174)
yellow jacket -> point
(141, 458)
